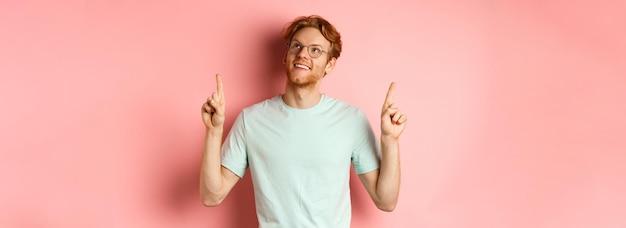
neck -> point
(301, 97)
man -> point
(299, 145)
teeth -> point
(302, 66)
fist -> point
(214, 107)
(392, 121)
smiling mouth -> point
(301, 66)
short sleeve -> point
(234, 155)
(365, 154)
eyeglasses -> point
(313, 50)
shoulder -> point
(334, 103)
(351, 118)
(263, 106)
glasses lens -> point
(294, 48)
(315, 51)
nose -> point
(303, 53)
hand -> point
(213, 109)
(392, 120)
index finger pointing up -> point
(392, 88)
(220, 89)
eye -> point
(316, 49)
(297, 46)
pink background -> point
(517, 108)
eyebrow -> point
(296, 40)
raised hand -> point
(392, 120)
(213, 109)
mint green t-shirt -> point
(300, 159)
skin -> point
(302, 90)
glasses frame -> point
(308, 50)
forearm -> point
(211, 178)
(388, 186)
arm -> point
(383, 184)
(215, 180)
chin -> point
(302, 78)
(298, 75)
(299, 81)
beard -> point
(302, 79)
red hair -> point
(314, 21)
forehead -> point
(310, 36)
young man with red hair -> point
(299, 145)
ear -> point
(285, 58)
(286, 53)
(330, 65)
